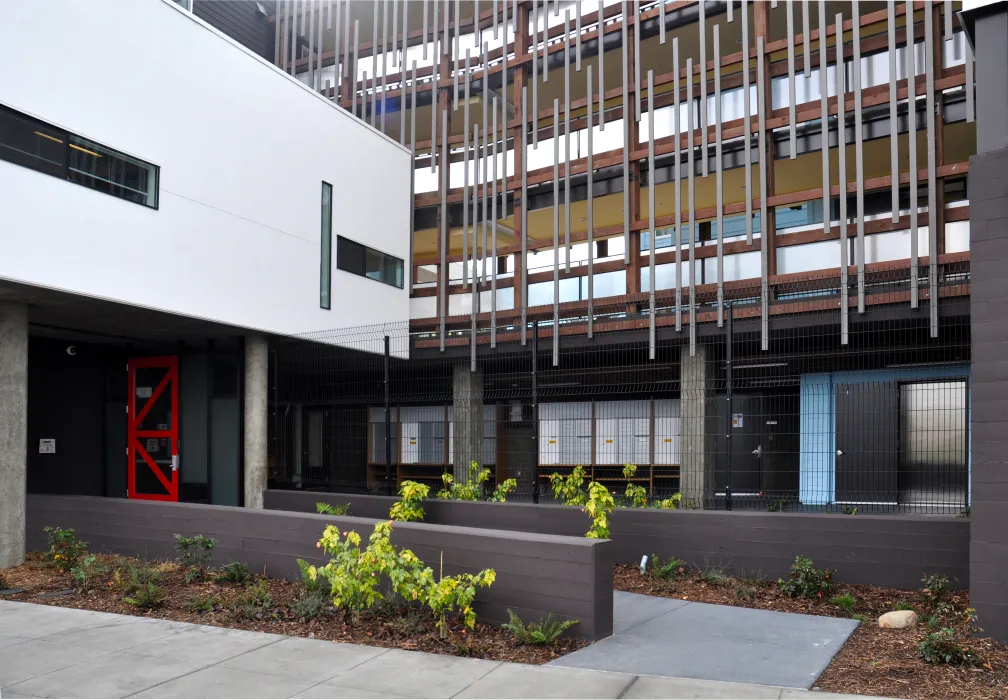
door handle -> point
(174, 462)
(839, 453)
(758, 451)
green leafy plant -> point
(134, 577)
(500, 493)
(409, 507)
(746, 592)
(806, 581)
(408, 621)
(234, 572)
(328, 509)
(849, 510)
(65, 550)
(569, 489)
(471, 490)
(934, 588)
(146, 595)
(903, 605)
(87, 572)
(671, 568)
(845, 601)
(195, 554)
(202, 603)
(456, 593)
(671, 503)
(309, 576)
(778, 506)
(860, 617)
(545, 631)
(636, 494)
(253, 602)
(307, 605)
(713, 576)
(599, 506)
(944, 646)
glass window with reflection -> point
(359, 259)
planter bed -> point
(874, 661)
(384, 626)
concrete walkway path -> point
(666, 637)
(62, 652)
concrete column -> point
(693, 425)
(13, 431)
(256, 388)
(467, 417)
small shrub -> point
(500, 493)
(943, 647)
(146, 596)
(546, 631)
(777, 506)
(195, 554)
(746, 592)
(327, 509)
(456, 593)
(902, 605)
(87, 572)
(934, 588)
(252, 602)
(805, 581)
(135, 577)
(636, 495)
(310, 604)
(671, 503)
(600, 504)
(408, 622)
(235, 572)
(569, 489)
(65, 550)
(932, 621)
(409, 508)
(471, 490)
(713, 576)
(849, 510)
(309, 576)
(671, 568)
(202, 603)
(844, 601)
(860, 617)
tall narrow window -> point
(325, 273)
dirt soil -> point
(874, 661)
(387, 625)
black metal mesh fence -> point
(874, 419)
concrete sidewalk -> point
(64, 652)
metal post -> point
(535, 411)
(728, 391)
(388, 425)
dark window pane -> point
(32, 144)
(105, 170)
(367, 262)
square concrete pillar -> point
(693, 424)
(467, 419)
(255, 418)
(13, 431)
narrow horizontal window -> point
(34, 144)
(367, 262)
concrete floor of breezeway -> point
(48, 651)
(665, 637)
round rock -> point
(898, 619)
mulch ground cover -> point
(241, 606)
(874, 661)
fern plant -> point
(328, 509)
(545, 631)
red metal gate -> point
(152, 433)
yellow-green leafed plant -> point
(453, 593)
(503, 489)
(569, 489)
(675, 501)
(409, 508)
(600, 504)
(471, 490)
(636, 494)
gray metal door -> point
(867, 442)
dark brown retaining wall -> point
(880, 550)
(536, 574)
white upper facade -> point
(242, 151)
